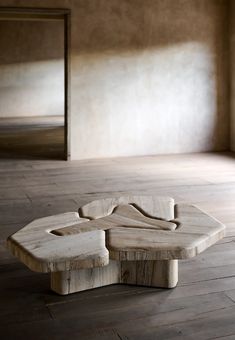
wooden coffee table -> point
(131, 239)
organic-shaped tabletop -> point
(131, 228)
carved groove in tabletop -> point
(132, 239)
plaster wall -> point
(31, 68)
(147, 77)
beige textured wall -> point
(147, 77)
(31, 68)
(150, 77)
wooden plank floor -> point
(32, 137)
(201, 307)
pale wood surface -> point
(78, 280)
(44, 252)
(37, 246)
(150, 273)
(144, 273)
(132, 239)
(201, 307)
(155, 206)
(195, 233)
(131, 236)
(122, 216)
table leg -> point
(72, 281)
(161, 273)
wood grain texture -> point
(130, 236)
(122, 216)
(155, 206)
(161, 274)
(43, 252)
(72, 281)
(196, 231)
(201, 306)
(132, 239)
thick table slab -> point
(129, 239)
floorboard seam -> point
(222, 337)
(213, 279)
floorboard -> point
(201, 307)
(32, 137)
